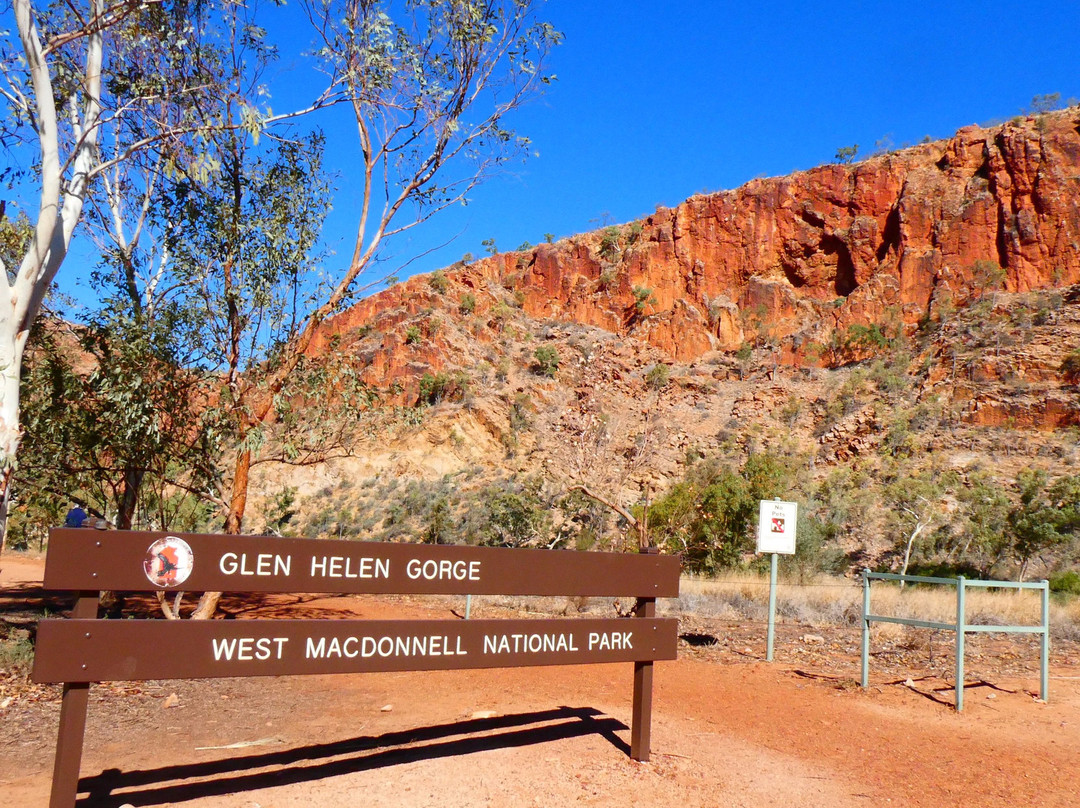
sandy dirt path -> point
(743, 734)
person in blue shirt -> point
(76, 516)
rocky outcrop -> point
(790, 263)
(796, 259)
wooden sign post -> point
(84, 649)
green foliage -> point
(815, 550)
(501, 313)
(517, 517)
(791, 410)
(608, 276)
(524, 246)
(890, 376)
(985, 509)
(489, 246)
(438, 526)
(643, 298)
(845, 155)
(467, 304)
(658, 376)
(438, 387)
(1067, 582)
(549, 238)
(439, 282)
(502, 369)
(281, 510)
(898, 441)
(914, 508)
(111, 430)
(708, 515)
(611, 243)
(15, 235)
(413, 335)
(987, 276)
(867, 338)
(547, 361)
(1041, 104)
(1046, 516)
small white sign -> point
(776, 527)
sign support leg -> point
(641, 726)
(69, 742)
(771, 633)
(961, 627)
(1044, 644)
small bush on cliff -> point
(438, 281)
(438, 387)
(608, 278)
(643, 297)
(1070, 367)
(658, 376)
(845, 155)
(611, 244)
(547, 361)
(467, 304)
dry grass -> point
(838, 601)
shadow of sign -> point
(318, 761)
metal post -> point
(69, 741)
(865, 628)
(771, 633)
(468, 607)
(1044, 645)
(641, 726)
(961, 624)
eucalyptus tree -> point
(106, 407)
(1045, 518)
(86, 87)
(429, 86)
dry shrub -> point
(828, 601)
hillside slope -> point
(912, 316)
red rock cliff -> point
(793, 260)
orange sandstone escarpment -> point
(794, 261)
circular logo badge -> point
(168, 562)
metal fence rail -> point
(961, 626)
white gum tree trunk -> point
(62, 197)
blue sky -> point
(658, 101)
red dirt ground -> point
(728, 730)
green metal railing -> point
(961, 626)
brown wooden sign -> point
(126, 650)
(83, 649)
(137, 561)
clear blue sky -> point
(656, 101)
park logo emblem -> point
(168, 562)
